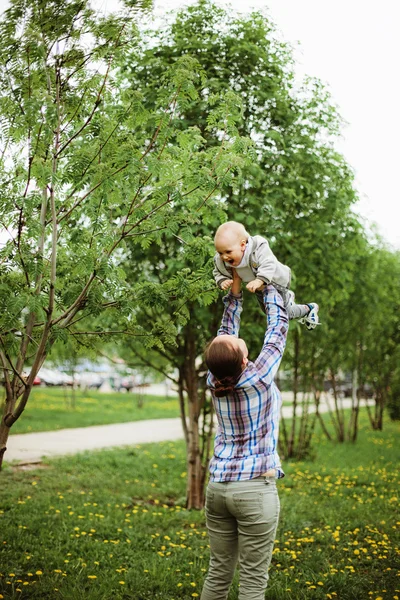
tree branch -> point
(94, 188)
(214, 188)
(96, 103)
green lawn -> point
(51, 408)
(110, 524)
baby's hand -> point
(254, 285)
(225, 285)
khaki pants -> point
(241, 517)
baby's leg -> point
(295, 311)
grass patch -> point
(110, 524)
(49, 409)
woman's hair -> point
(226, 364)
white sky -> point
(354, 47)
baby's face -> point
(230, 248)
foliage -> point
(86, 166)
(298, 193)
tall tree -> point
(298, 192)
(86, 166)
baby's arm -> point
(254, 285)
(223, 281)
(226, 284)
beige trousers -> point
(241, 517)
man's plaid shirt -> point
(248, 420)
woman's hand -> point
(237, 283)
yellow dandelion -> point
(92, 576)
(122, 582)
(39, 572)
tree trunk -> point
(4, 433)
(317, 400)
(291, 443)
(339, 415)
(355, 407)
(194, 491)
(283, 442)
(182, 409)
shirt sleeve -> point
(218, 275)
(269, 359)
(230, 323)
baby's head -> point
(230, 242)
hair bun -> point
(225, 386)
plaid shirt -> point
(245, 445)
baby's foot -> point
(311, 320)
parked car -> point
(53, 377)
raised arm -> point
(230, 323)
(269, 359)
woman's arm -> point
(230, 323)
(269, 359)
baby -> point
(256, 264)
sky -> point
(353, 46)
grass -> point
(49, 409)
(111, 524)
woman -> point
(242, 504)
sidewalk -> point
(32, 447)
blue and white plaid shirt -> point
(245, 445)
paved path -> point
(31, 447)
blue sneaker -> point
(312, 320)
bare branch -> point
(110, 332)
(76, 304)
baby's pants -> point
(295, 311)
(241, 517)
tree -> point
(298, 187)
(85, 167)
